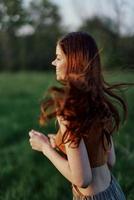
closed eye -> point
(58, 58)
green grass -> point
(26, 174)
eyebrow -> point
(58, 54)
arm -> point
(79, 164)
(41, 143)
(111, 156)
(78, 161)
(80, 172)
(59, 162)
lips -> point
(57, 71)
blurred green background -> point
(28, 36)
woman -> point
(83, 149)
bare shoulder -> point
(111, 154)
(78, 159)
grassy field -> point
(26, 174)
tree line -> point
(35, 49)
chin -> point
(59, 78)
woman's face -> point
(60, 63)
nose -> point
(54, 62)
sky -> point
(73, 12)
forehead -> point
(59, 51)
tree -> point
(32, 51)
(117, 49)
(44, 17)
(12, 16)
(105, 37)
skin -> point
(60, 63)
(88, 180)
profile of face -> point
(60, 63)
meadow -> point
(27, 174)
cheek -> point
(61, 65)
(63, 68)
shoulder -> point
(111, 154)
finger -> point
(52, 135)
(49, 135)
(52, 140)
(53, 144)
(30, 141)
(31, 133)
(36, 133)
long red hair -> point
(85, 99)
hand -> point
(62, 123)
(52, 140)
(39, 141)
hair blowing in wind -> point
(85, 99)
